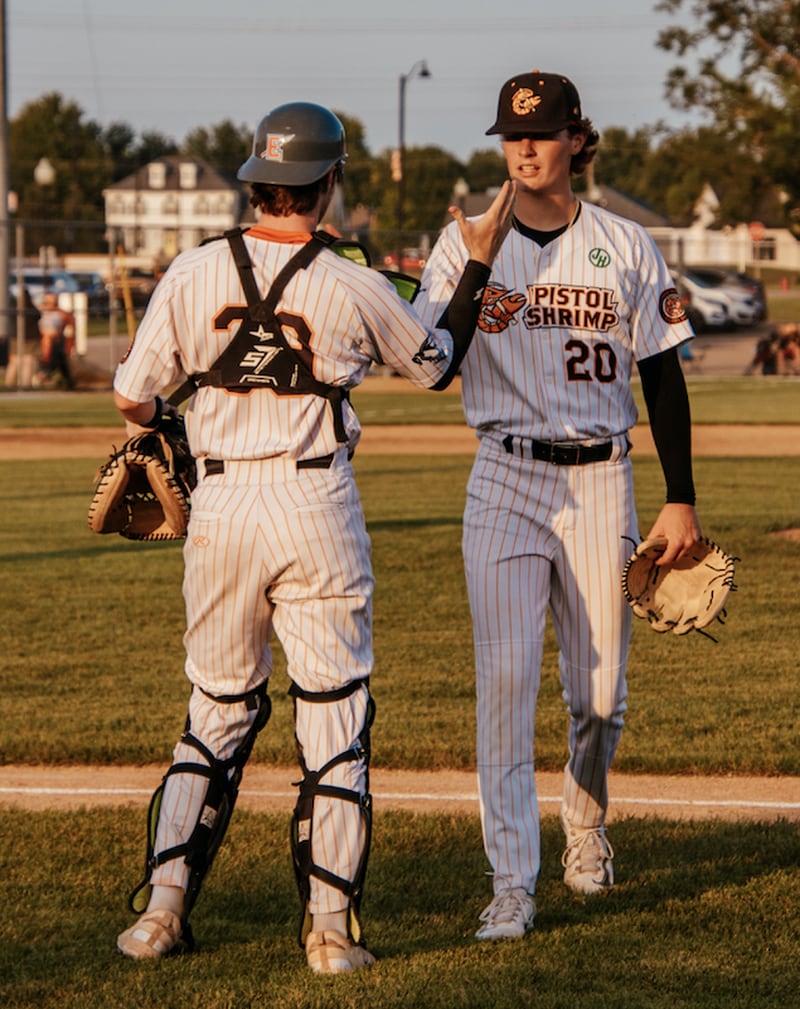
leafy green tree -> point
(745, 75)
(358, 175)
(224, 146)
(54, 128)
(429, 176)
(621, 161)
(485, 169)
(153, 145)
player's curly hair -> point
(581, 161)
(283, 201)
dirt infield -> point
(270, 789)
(408, 439)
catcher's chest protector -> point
(260, 356)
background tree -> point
(429, 176)
(621, 161)
(358, 185)
(152, 145)
(54, 128)
(745, 76)
(485, 169)
(224, 146)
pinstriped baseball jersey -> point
(348, 317)
(561, 327)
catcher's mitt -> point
(683, 596)
(143, 489)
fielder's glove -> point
(683, 596)
(142, 492)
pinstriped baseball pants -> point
(541, 537)
(270, 548)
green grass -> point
(93, 659)
(703, 915)
(751, 400)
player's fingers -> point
(457, 214)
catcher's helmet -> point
(294, 145)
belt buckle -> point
(564, 454)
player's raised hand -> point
(484, 235)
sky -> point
(174, 65)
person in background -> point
(22, 375)
(57, 329)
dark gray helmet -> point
(294, 145)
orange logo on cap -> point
(524, 101)
(275, 144)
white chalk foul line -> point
(417, 797)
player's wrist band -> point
(153, 422)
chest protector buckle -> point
(260, 356)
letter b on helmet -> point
(294, 145)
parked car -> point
(703, 309)
(742, 299)
(411, 259)
(93, 285)
(40, 281)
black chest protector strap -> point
(259, 356)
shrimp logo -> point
(524, 101)
(498, 308)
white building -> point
(171, 205)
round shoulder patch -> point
(671, 307)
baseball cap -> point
(536, 103)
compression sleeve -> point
(461, 316)
(667, 401)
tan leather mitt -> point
(683, 596)
(143, 491)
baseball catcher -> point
(683, 596)
(142, 491)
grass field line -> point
(270, 789)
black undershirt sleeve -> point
(461, 316)
(667, 401)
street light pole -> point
(420, 69)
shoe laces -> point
(588, 848)
(507, 906)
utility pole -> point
(5, 237)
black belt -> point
(215, 466)
(558, 453)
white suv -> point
(704, 309)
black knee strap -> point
(224, 778)
(302, 821)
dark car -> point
(94, 287)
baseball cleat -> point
(587, 860)
(154, 935)
(332, 953)
(509, 916)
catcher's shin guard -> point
(302, 831)
(224, 778)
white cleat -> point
(509, 916)
(587, 860)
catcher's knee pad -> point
(223, 778)
(314, 785)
